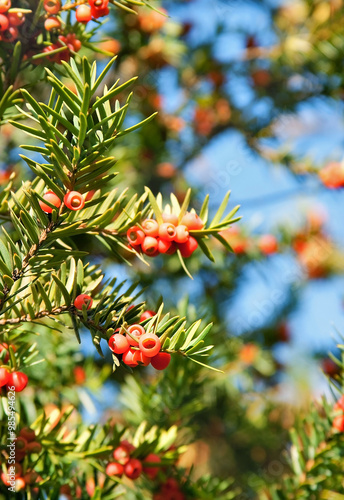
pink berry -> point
(118, 343)
(149, 344)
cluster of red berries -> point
(338, 421)
(9, 21)
(153, 238)
(139, 348)
(26, 444)
(129, 466)
(72, 200)
(8, 378)
(71, 44)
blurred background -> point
(249, 99)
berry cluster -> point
(26, 444)
(94, 9)
(139, 348)
(129, 466)
(9, 21)
(338, 421)
(8, 378)
(153, 238)
(266, 244)
(73, 200)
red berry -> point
(338, 423)
(83, 14)
(172, 249)
(122, 453)
(164, 245)
(34, 447)
(171, 218)
(141, 358)
(4, 5)
(21, 444)
(167, 231)
(10, 35)
(133, 468)
(74, 200)
(182, 234)
(4, 377)
(28, 434)
(161, 360)
(4, 22)
(118, 343)
(15, 18)
(81, 300)
(268, 244)
(188, 248)
(4, 347)
(340, 404)
(150, 471)
(30, 477)
(135, 235)
(52, 23)
(99, 8)
(146, 315)
(150, 227)
(114, 469)
(52, 6)
(17, 379)
(149, 344)
(135, 331)
(150, 246)
(51, 198)
(74, 44)
(192, 221)
(128, 358)
(79, 375)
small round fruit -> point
(74, 200)
(5, 5)
(4, 347)
(52, 23)
(141, 358)
(167, 231)
(122, 454)
(192, 221)
(146, 315)
(161, 360)
(150, 471)
(114, 469)
(34, 447)
(28, 434)
(128, 358)
(83, 14)
(4, 377)
(164, 245)
(268, 244)
(21, 444)
(338, 423)
(17, 379)
(150, 246)
(182, 234)
(52, 6)
(81, 300)
(188, 248)
(150, 227)
(51, 198)
(135, 331)
(16, 18)
(133, 468)
(149, 344)
(135, 235)
(118, 343)
(4, 22)
(172, 218)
